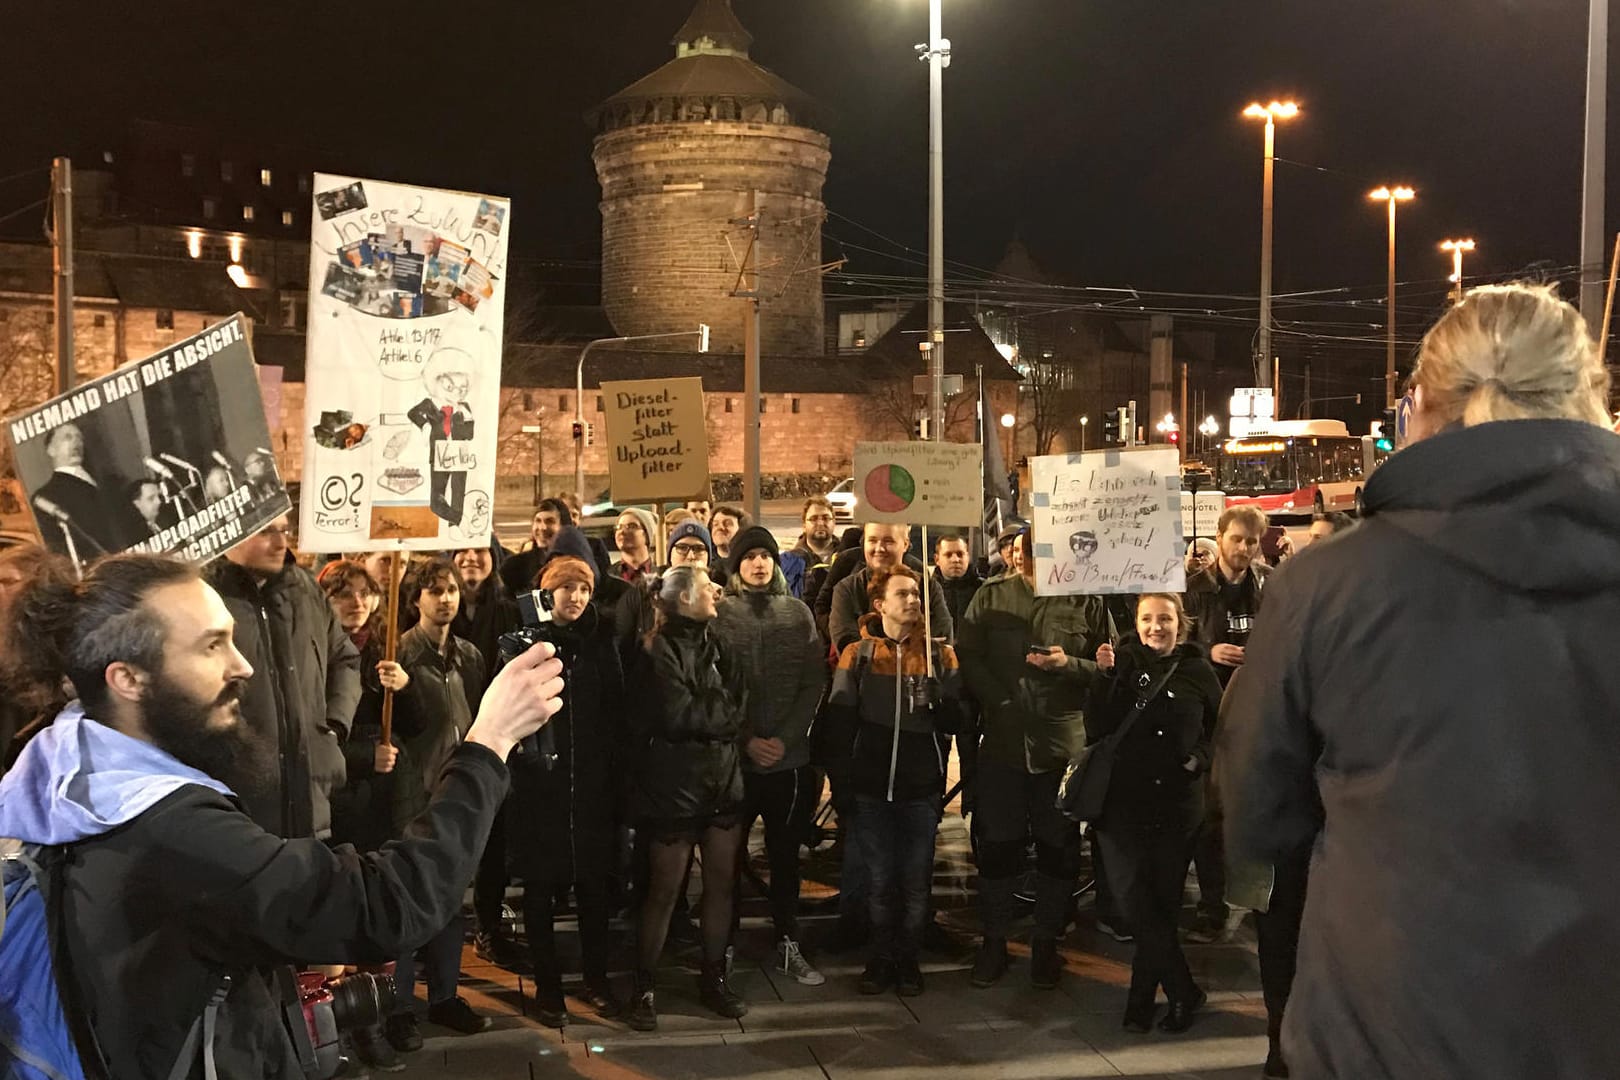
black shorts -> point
(688, 830)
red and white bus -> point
(1300, 467)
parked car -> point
(843, 500)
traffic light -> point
(1110, 432)
(579, 430)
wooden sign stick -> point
(390, 643)
(1608, 303)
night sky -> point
(1103, 133)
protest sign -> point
(659, 440)
(1107, 522)
(402, 384)
(919, 483)
(167, 455)
(1200, 519)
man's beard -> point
(238, 756)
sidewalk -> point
(1008, 1032)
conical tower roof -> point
(713, 27)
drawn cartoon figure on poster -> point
(447, 418)
(1084, 545)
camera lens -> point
(361, 1000)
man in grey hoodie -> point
(772, 637)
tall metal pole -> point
(1592, 175)
(62, 249)
(1264, 365)
(1389, 323)
(751, 388)
(938, 57)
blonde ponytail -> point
(1512, 352)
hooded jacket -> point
(303, 693)
(897, 745)
(772, 640)
(561, 817)
(850, 603)
(689, 729)
(1429, 704)
(170, 889)
(1031, 719)
(1150, 783)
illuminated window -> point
(247, 213)
(286, 217)
(264, 177)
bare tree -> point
(1055, 400)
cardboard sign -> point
(402, 392)
(919, 483)
(1107, 522)
(167, 455)
(659, 441)
(1201, 520)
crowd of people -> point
(1337, 743)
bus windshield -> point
(1256, 473)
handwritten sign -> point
(919, 483)
(1107, 522)
(407, 290)
(658, 439)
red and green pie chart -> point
(889, 489)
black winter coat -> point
(363, 811)
(303, 693)
(484, 616)
(688, 735)
(1150, 784)
(562, 815)
(1429, 703)
(431, 715)
(159, 910)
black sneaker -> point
(1179, 1016)
(991, 963)
(497, 949)
(879, 977)
(601, 998)
(401, 1033)
(459, 1017)
(549, 1008)
(374, 1050)
(908, 977)
(717, 996)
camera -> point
(535, 607)
(331, 1007)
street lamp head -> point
(1403, 194)
(1277, 110)
(1084, 420)
(1457, 245)
(1008, 419)
(1385, 194)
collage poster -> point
(402, 391)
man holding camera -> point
(168, 896)
(1024, 659)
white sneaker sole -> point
(814, 978)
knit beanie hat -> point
(689, 529)
(648, 522)
(567, 570)
(751, 538)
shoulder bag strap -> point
(1142, 702)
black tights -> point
(666, 879)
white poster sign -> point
(1198, 519)
(1108, 521)
(402, 378)
(919, 483)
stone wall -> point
(670, 193)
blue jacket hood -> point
(79, 778)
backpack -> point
(43, 1035)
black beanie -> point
(755, 536)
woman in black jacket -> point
(688, 788)
(1167, 692)
(561, 816)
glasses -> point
(691, 550)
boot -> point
(990, 964)
(642, 1015)
(549, 1007)
(1045, 965)
(1179, 1016)
(716, 995)
(1276, 1066)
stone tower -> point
(680, 156)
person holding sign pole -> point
(1027, 661)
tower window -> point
(164, 319)
(265, 177)
(209, 208)
(227, 171)
(728, 404)
(795, 405)
(287, 217)
(188, 164)
(247, 213)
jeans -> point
(854, 881)
(443, 962)
(1279, 937)
(539, 907)
(1147, 866)
(787, 802)
(896, 841)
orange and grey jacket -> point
(892, 720)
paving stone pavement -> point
(1008, 1032)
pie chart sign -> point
(889, 489)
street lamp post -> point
(937, 55)
(1084, 420)
(1457, 247)
(1277, 110)
(1392, 195)
(701, 333)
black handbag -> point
(1084, 787)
